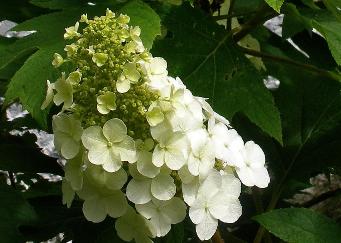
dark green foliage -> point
(213, 68)
(300, 225)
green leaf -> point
(334, 6)
(206, 59)
(18, 155)
(321, 56)
(14, 211)
(311, 118)
(310, 3)
(142, 15)
(60, 4)
(28, 84)
(19, 10)
(275, 4)
(67, 4)
(242, 7)
(293, 22)
(329, 26)
(300, 225)
(8, 72)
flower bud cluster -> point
(139, 146)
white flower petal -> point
(102, 109)
(74, 173)
(131, 73)
(174, 210)
(253, 176)
(225, 207)
(211, 184)
(158, 158)
(115, 130)
(123, 225)
(233, 212)
(122, 85)
(68, 193)
(145, 165)
(98, 157)
(206, 229)
(262, 177)
(69, 148)
(116, 204)
(185, 176)
(190, 191)
(254, 154)
(147, 210)
(138, 191)
(126, 149)
(161, 227)
(198, 139)
(197, 210)
(174, 159)
(116, 180)
(154, 115)
(67, 133)
(231, 156)
(88, 190)
(230, 185)
(135, 173)
(163, 187)
(92, 137)
(94, 210)
(111, 163)
(193, 165)
(158, 65)
(159, 131)
(133, 226)
(49, 95)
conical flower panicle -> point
(130, 132)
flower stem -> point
(263, 14)
(230, 11)
(307, 67)
(257, 200)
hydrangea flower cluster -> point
(139, 147)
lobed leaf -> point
(300, 225)
(311, 118)
(204, 56)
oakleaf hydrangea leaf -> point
(213, 68)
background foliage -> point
(298, 123)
